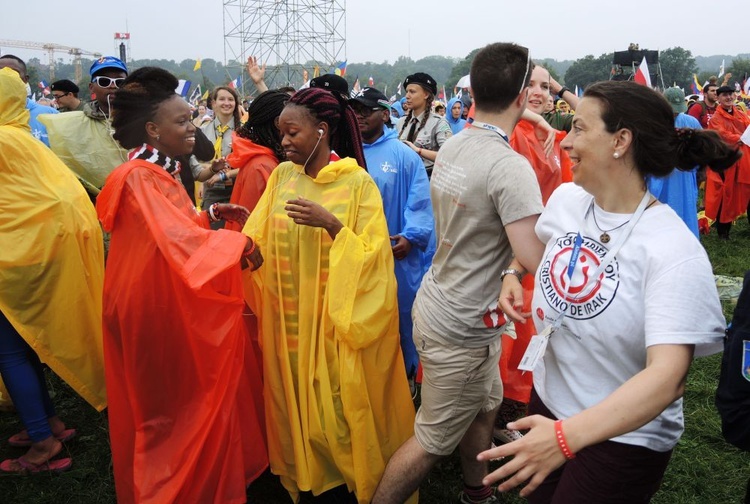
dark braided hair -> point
(137, 101)
(427, 113)
(261, 127)
(335, 111)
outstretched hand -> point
(535, 456)
(256, 72)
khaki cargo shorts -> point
(457, 384)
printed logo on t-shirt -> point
(587, 297)
(388, 168)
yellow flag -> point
(197, 65)
(205, 95)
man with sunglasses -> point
(399, 173)
(83, 139)
(65, 93)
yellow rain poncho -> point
(85, 145)
(52, 257)
(337, 400)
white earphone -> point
(320, 132)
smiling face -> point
(538, 90)
(173, 128)
(589, 145)
(299, 133)
(224, 105)
(726, 100)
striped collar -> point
(148, 153)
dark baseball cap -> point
(371, 97)
(331, 82)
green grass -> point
(704, 469)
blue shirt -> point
(679, 189)
(400, 175)
(38, 129)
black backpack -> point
(733, 392)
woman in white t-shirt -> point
(618, 277)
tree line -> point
(677, 67)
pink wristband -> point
(562, 442)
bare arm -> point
(568, 96)
(635, 403)
(528, 252)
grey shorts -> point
(457, 384)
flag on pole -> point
(385, 90)
(183, 87)
(236, 83)
(370, 81)
(205, 95)
(746, 86)
(398, 90)
(316, 71)
(340, 69)
(355, 88)
(44, 87)
(641, 75)
(721, 69)
(696, 86)
(195, 95)
(197, 65)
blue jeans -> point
(23, 375)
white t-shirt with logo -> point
(659, 289)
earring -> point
(159, 136)
(616, 155)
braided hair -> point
(137, 102)
(335, 111)
(427, 113)
(261, 127)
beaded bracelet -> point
(213, 212)
(562, 442)
(222, 176)
(250, 251)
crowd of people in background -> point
(287, 273)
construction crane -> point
(51, 49)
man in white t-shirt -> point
(486, 202)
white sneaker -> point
(504, 436)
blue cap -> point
(107, 62)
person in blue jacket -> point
(37, 129)
(454, 115)
(679, 189)
(399, 174)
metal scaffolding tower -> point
(290, 36)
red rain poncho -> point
(184, 423)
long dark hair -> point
(658, 147)
(137, 101)
(335, 111)
(261, 126)
(237, 104)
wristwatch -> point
(562, 92)
(511, 271)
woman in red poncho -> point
(183, 424)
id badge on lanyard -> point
(538, 344)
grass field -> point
(704, 469)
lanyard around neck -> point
(491, 127)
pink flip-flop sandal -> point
(22, 439)
(55, 466)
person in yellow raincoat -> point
(51, 276)
(337, 400)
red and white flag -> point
(641, 75)
(370, 81)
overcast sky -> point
(382, 30)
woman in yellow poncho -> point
(51, 274)
(337, 401)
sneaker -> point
(504, 436)
(463, 499)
